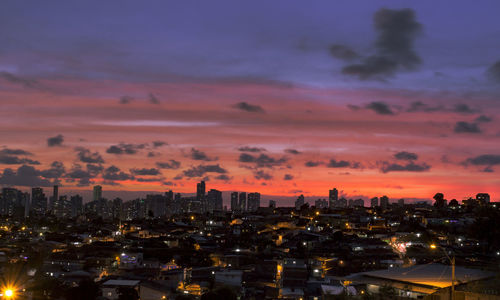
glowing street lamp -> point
(452, 262)
(8, 293)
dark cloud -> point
(418, 106)
(86, 156)
(145, 171)
(380, 108)
(403, 155)
(201, 170)
(494, 72)
(311, 164)
(153, 99)
(15, 79)
(23, 176)
(94, 170)
(55, 140)
(488, 160)
(483, 119)
(397, 30)
(15, 160)
(8, 151)
(168, 183)
(114, 173)
(262, 161)
(154, 179)
(261, 175)
(292, 151)
(353, 107)
(157, 144)
(464, 109)
(153, 154)
(251, 149)
(343, 164)
(343, 52)
(288, 177)
(200, 155)
(386, 167)
(223, 177)
(465, 127)
(126, 99)
(124, 148)
(172, 164)
(56, 170)
(249, 107)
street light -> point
(452, 262)
(8, 293)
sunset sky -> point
(397, 98)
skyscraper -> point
(374, 202)
(333, 197)
(299, 202)
(235, 206)
(38, 201)
(200, 190)
(243, 201)
(384, 202)
(76, 205)
(97, 193)
(54, 198)
(253, 201)
(214, 199)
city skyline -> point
(150, 98)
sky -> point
(396, 98)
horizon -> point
(278, 98)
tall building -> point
(76, 206)
(253, 201)
(200, 190)
(38, 201)
(321, 203)
(401, 202)
(333, 197)
(235, 205)
(9, 200)
(374, 202)
(272, 203)
(483, 198)
(214, 199)
(384, 202)
(54, 198)
(243, 201)
(97, 195)
(299, 202)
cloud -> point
(403, 155)
(251, 149)
(200, 155)
(311, 164)
(483, 119)
(464, 109)
(380, 108)
(201, 170)
(124, 148)
(154, 179)
(418, 106)
(56, 170)
(292, 151)
(343, 52)
(353, 107)
(261, 175)
(114, 173)
(15, 160)
(249, 107)
(145, 171)
(262, 161)
(23, 176)
(8, 151)
(223, 177)
(493, 72)
(343, 164)
(55, 140)
(126, 99)
(397, 30)
(15, 79)
(153, 99)
(386, 167)
(465, 127)
(488, 160)
(171, 164)
(157, 144)
(288, 177)
(86, 156)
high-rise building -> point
(374, 202)
(253, 201)
(272, 203)
(214, 199)
(76, 205)
(200, 190)
(243, 201)
(9, 199)
(401, 202)
(38, 201)
(299, 202)
(54, 198)
(97, 195)
(333, 197)
(321, 203)
(235, 205)
(384, 202)
(483, 198)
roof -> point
(432, 275)
(119, 282)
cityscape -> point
(248, 150)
